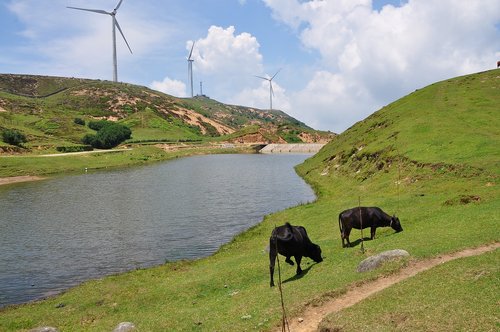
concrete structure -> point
(292, 148)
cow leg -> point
(272, 261)
(373, 230)
(298, 259)
(346, 235)
(289, 261)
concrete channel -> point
(292, 148)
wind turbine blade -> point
(118, 5)
(272, 90)
(99, 11)
(120, 29)
(275, 74)
(264, 78)
(191, 53)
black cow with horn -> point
(289, 241)
(364, 217)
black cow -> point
(498, 64)
(289, 241)
(372, 217)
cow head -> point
(315, 253)
(395, 224)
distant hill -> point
(44, 109)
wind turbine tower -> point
(113, 29)
(271, 91)
(190, 69)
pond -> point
(57, 233)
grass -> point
(446, 298)
(138, 155)
(445, 204)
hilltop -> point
(44, 109)
(430, 157)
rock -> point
(300, 319)
(44, 329)
(124, 327)
(373, 262)
(246, 317)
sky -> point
(338, 60)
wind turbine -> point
(190, 69)
(271, 91)
(115, 25)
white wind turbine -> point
(190, 69)
(271, 91)
(115, 25)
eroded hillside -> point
(44, 109)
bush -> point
(79, 121)
(109, 136)
(98, 125)
(14, 137)
(74, 148)
(89, 139)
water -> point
(57, 233)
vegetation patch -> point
(108, 135)
(14, 137)
(463, 200)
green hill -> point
(44, 109)
(430, 157)
(452, 122)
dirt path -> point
(312, 316)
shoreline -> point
(19, 179)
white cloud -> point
(370, 57)
(258, 97)
(170, 86)
(331, 101)
(222, 52)
(226, 62)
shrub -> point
(109, 136)
(74, 148)
(98, 125)
(14, 137)
(89, 139)
(79, 121)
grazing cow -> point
(289, 241)
(498, 64)
(370, 217)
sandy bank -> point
(16, 179)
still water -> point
(57, 233)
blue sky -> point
(340, 60)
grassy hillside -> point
(44, 109)
(429, 157)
